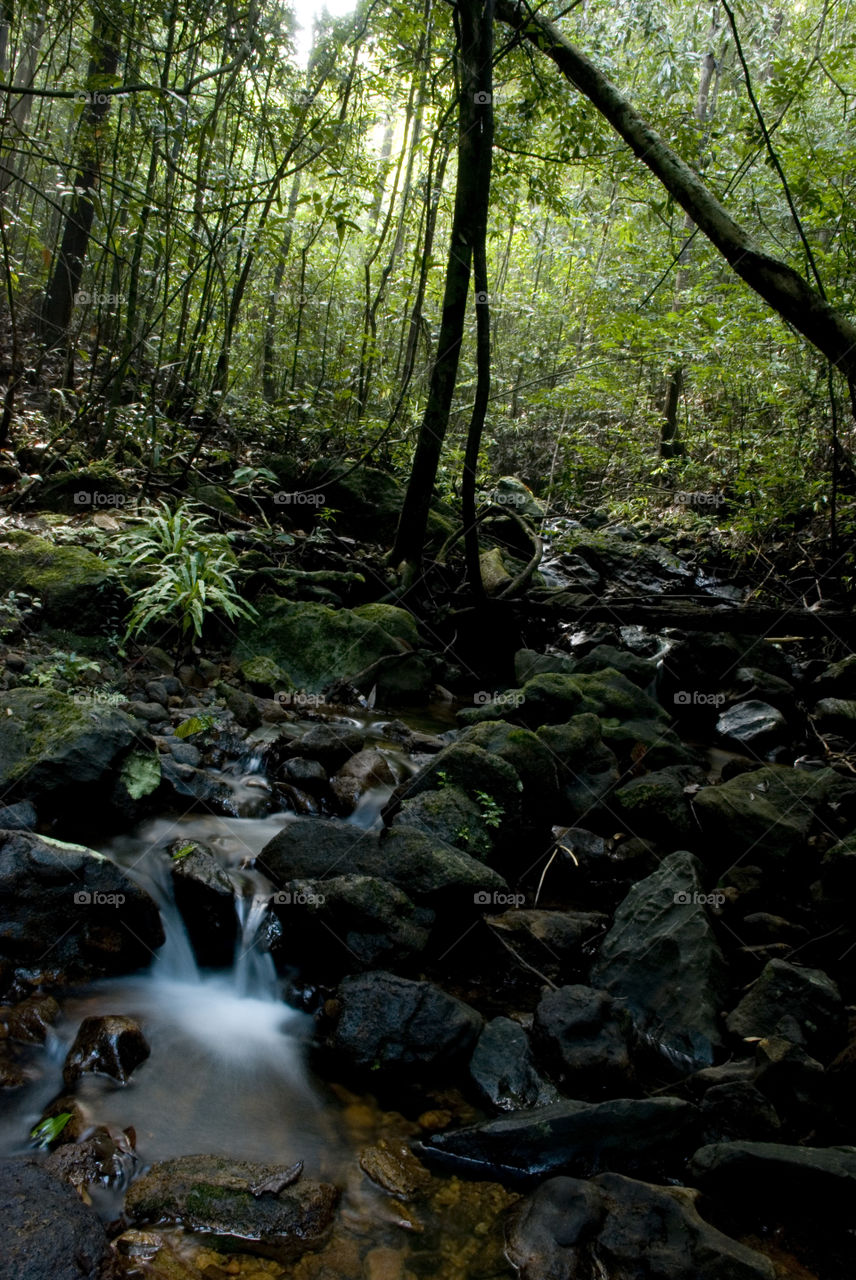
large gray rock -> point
(236, 1203)
(46, 1232)
(503, 1069)
(661, 958)
(613, 1226)
(400, 1029)
(800, 1005)
(755, 725)
(69, 907)
(625, 1134)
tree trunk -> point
(68, 267)
(825, 327)
(474, 19)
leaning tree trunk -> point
(803, 307)
(474, 20)
(68, 266)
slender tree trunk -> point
(68, 267)
(474, 19)
(803, 307)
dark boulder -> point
(814, 1182)
(112, 1045)
(46, 1232)
(662, 959)
(582, 1037)
(800, 1005)
(205, 896)
(614, 1226)
(503, 1069)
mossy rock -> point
(553, 698)
(216, 497)
(73, 584)
(396, 622)
(494, 575)
(264, 676)
(368, 502)
(645, 742)
(53, 747)
(318, 645)
(528, 756)
(96, 488)
(451, 817)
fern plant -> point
(190, 570)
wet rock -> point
(836, 715)
(752, 682)
(182, 782)
(451, 817)
(503, 1069)
(76, 588)
(615, 1226)
(838, 680)
(104, 1157)
(213, 1194)
(587, 770)
(471, 770)
(800, 1005)
(367, 769)
(74, 904)
(65, 755)
(582, 1037)
(656, 805)
(640, 670)
(151, 712)
(30, 1020)
(185, 753)
(773, 810)
(697, 669)
(309, 775)
(814, 1182)
(347, 923)
(398, 1028)
(555, 943)
(395, 1168)
(18, 817)
(242, 706)
(45, 1229)
(330, 744)
(313, 849)
(575, 1137)
(113, 1045)
(661, 958)
(738, 1110)
(554, 699)
(528, 663)
(434, 872)
(205, 896)
(753, 725)
(645, 744)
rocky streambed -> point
(555, 983)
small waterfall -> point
(253, 974)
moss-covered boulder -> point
(529, 757)
(317, 645)
(368, 502)
(263, 676)
(587, 769)
(62, 753)
(216, 497)
(76, 588)
(396, 622)
(96, 488)
(452, 818)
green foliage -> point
(491, 812)
(190, 572)
(195, 724)
(69, 668)
(47, 1131)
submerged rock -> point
(112, 1045)
(215, 1195)
(45, 1229)
(575, 1137)
(661, 958)
(617, 1227)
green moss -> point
(396, 622)
(72, 584)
